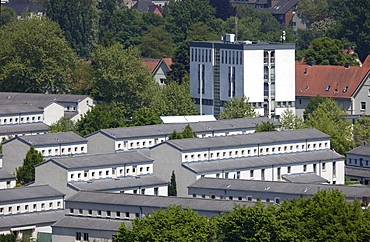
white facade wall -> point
(147, 190)
(31, 206)
(82, 107)
(21, 118)
(5, 184)
(62, 149)
(53, 113)
(110, 172)
(253, 75)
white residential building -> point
(261, 71)
(7, 180)
(130, 138)
(49, 145)
(358, 164)
(27, 211)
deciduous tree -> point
(329, 118)
(312, 104)
(35, 57)
(143, 117)
(361, 131)
(238, 108)
(26, 173)
(7, 15)
(289, 120)
(64, 124)
(265, 127)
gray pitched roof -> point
(28, 193)
(85, 161)
(23, 128)
(90, 223)
(248, 139)
(363, 150)
(357, 171)
(262, 161)
(117, 183)
(276, 187)
(4, 175)
(29, 219)
(51, 139)
(309, 177)
(199, 127)
(37, 103)
(41, 96)
(18, 109)
(196, 204)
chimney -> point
(305, 71)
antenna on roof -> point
(236, 27)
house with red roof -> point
(348, 85)
(159, 68)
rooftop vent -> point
(305, 190)
(228, 38)
(228, 185)
(267, 188)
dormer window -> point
(327, 89)
(345, 89)
(307, 87)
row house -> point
(268, 191)
(29, 211)
(69, 174)
(7, 180)
(20, 114)
(267, 155)
(55, 106)
(358, 164)
(92, 212)
(10, 131)
(49, 145)
(129, 138)
(348, 85)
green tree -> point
(258, 223)
(119, 76)
(102, 116)
(35, 57)
(8, 238)
(172, 224)
(172, 187)
(79, 21)
(156, 42)
(329, 118)
(312, 104)
(107, 10)
(312, 10)
(26, 173)
(181, 15)
(173, 100)
(175, 135)
(361, 131)
(7, 15)
(143, 117)
(289, 120)
(181, 66)
(326, 51)
(188, 133)
(238, 108)
(64, 124)
(265, 127)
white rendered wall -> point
(253, 75)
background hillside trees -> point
(6, 15)
(35, 57)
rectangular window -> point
(251, 173)
(304, 168)
(226, 175)
(335, 168)
(86, 236)
(289, 169)
(156, 191)
(192, 54)
(196, 54)
(78, 236)
(323, 166)
(363, 105)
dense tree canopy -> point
(238, 108)
(6, 15)
(329, 118)
(265, 127)
(312, 104)
(289, 120)
(35, 57)
(64, 124)
(361, 131)
(26, 173)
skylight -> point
(327, 89)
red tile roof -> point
(315, 80)
(151, 63)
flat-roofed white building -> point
(49, 145)
(261, 71)
(129, 138)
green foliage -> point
(102, 116)
(119, 76)
(329, 118)
(173, 100)
(361, 131)
(156, 42)
(8, 238)
(172, 187)
(237, 108)
(265, 127)
(351, 182)
(289, 120)
(7, 15)
(1, 148)
(79, 21)
(326, 51)
(64, 124)
(312, 10)
(224, 9)
(82, 78)
(143, 117)
(313, 103)
(258, 223)
(187, 133)
(35, 57)
(172, 224)
(181, 15)
(26, 173)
